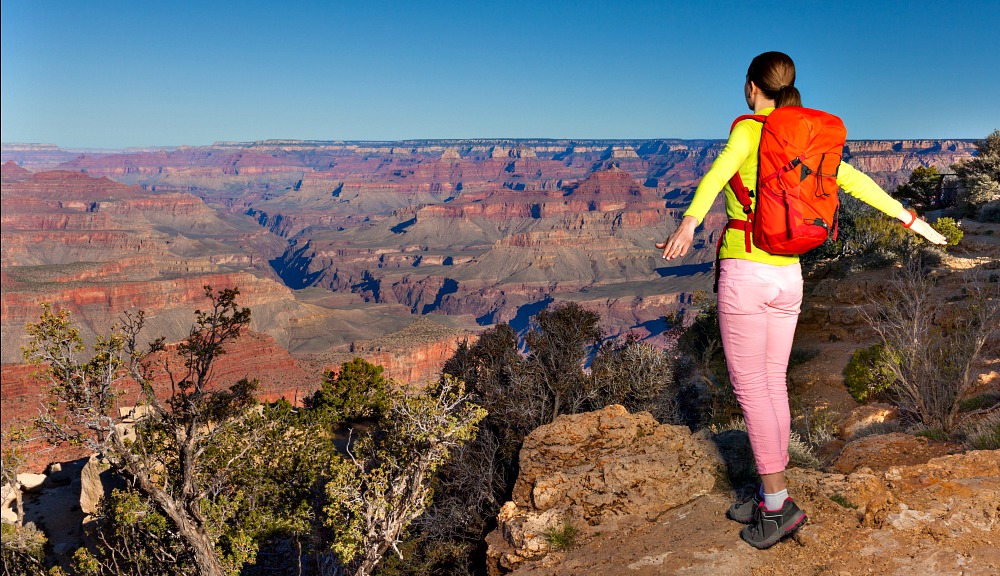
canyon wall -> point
(337, 243)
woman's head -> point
(773, 73)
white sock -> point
(775, 501)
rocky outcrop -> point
(937, 517)
(592, 471)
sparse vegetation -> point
(985, 434)
(843, 501)
(816, 423)
(936, 434)
(705, 395)
(980, 179)
(800, 453)
(220, 484)
(987, 401)
(877, 429)
(933, 345)
(563, 537)
(22, 549)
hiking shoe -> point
(743, 510)
(769, 526)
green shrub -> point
(843, 501)
(561, 538)
(950, 229)
(358, 391)
(868, 374)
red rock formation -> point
(254, 355)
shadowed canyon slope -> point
(334, 243)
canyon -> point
(395, 251)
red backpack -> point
(800, 151)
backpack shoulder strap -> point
(758, 117)
(742, 193)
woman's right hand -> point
(678, 244)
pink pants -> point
(758, 308)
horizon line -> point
(42, 146)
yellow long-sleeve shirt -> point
(740, 154)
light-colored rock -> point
(594, 470)
(31, 482)
(937, 518)
(7, 495)
(91, 485)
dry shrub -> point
(932, 345)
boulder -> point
(31, 482)
(593, 472)
(92, 485)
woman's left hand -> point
(921, 227)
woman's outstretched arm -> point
(861, 186)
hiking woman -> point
(760, 296)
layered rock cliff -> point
(487, 229)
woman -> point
(760, 296)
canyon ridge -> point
(394, 251)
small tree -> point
(22, 544)
(931, 346)
(559, 346)
(358, 391)
(923, 190)
(980, 175)
(183, 454)
(12, 445)
(385, 483)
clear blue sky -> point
(137, 73)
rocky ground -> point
(939, 517)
